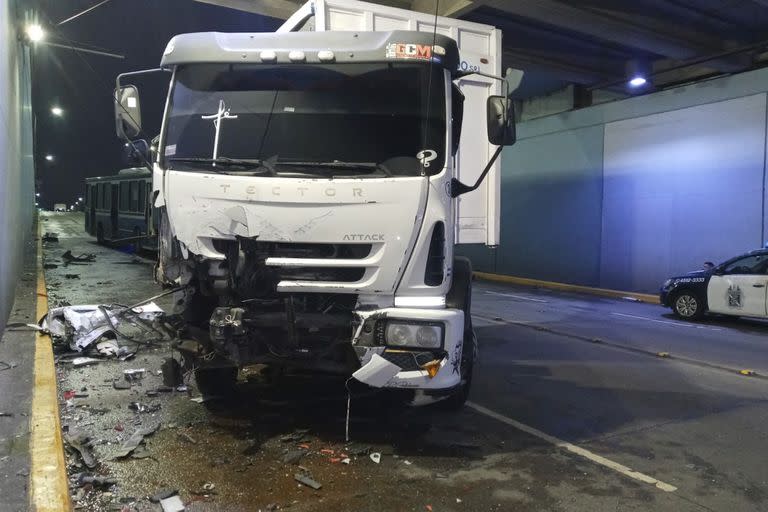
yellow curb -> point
(48, 474)
(604, 292)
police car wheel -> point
(687, 305)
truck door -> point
(740, 288)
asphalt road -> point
(556, 421)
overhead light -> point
(57, 111)
(35, 32)
(79, 198)
(49, 158)
(37, 194)
(638, 73)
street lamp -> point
(35, 32)
(49, 158)
(79, 198)
(37, 194)
(57, 111)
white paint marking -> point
(597, 459)
(668, 322)
(522, 297)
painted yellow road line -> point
(577, 450)
(604, 292)
(48, 474)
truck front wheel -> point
(456, 401)
(216, 381)
(460, 297)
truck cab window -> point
(370, 113)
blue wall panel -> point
(682, 187)
(552, 187)
(684, 183)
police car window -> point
(749, 265)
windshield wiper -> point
(250, 163)
(337, 164)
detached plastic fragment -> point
(81, 258)
(307, 480)
(80, 326)
(172, 504)
(82, 445)
(377, 373)
(134, 441)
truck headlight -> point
(413, 334)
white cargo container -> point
(477, 212)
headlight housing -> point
(667, 283)
(405, 333)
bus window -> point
(102, 196)
(134, 196)
(123, 196)
(142, 197)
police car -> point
(736, 287)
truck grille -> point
(409, 360)
(299, 250)
(341, 275)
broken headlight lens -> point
(421, 335)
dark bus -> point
(119, 207)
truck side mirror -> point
(127, 112)
(501, 121)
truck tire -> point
(198, 310)
(456, 401)
(216, 381)
(460, 297)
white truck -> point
(307, 185)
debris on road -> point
(163, 494)
(49, 266)
(307, 480)
(82, 361)
(81, 325)
(51, 237)
(134, 441)
(107, 347)
(134, 374)
(72, 276)
(95, 480)
(375, 457)
(82, 445)
(172, 373)
(172, 504)
(121, 384)
(186, 437)
(294, 456)
(358, 449)
(82, 258)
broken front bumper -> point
(409, 368)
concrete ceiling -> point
(589, 42)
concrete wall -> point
(17, 197)
(624, 194)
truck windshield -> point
(329, 120)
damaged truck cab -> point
(306, 188)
